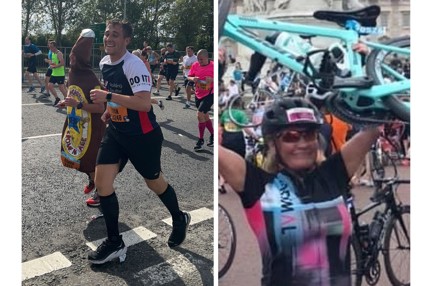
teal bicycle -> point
(374, 95)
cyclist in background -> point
(295, 204)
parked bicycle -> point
(388, 233)
(360, 97)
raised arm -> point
(232, 167)
(354, 151)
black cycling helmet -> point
(286, 112)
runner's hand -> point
(106, 116)
(98, 95)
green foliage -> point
(182, 22)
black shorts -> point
(153, 67)
(204, 104)
(171, 72)
(57, 79)
(188, 83)
(162, 72)
(144, 151)
(48, 72)
(32, 68)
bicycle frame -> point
(391, 208)
(236, 27)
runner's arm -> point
(140, 101)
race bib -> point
(118, 113)
(202, 84)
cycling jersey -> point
(302, 225)
(127, 76)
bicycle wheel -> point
(224, 8)
(226, 241)
(397, 248)
(253, 108)
(378, 66)
(356, 272)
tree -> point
(28, 7)
(63, 14)
(191, 23)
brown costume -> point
(82, 131)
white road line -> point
(197, 216)
(165, 272)
(130, 237)
(43, 265)
(41, 136)
(40, 103)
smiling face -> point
(297, 147)
(115, 42)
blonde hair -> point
(137, 52)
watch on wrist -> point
(79, 105)
(108, 96)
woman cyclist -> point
(295, 204)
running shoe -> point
(199, 145)
(42, 89)
(161, 105)
(169, 97)
(156, 93)
(90, 187)
(187, 105)
(94, 200)
(177, 91)
(210, 142)
(31, 89)
(57, 100)
(108, 250)
(179, 230)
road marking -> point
(41, 136)
(43, 265)
(41, 103)
(130, 237)
(165, 272)
(197, 216)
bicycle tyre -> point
(226, 227)
(224, 8)
(397, 106)
(392, 227)
(356, 273)
(260, 97)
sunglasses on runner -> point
(294, 136)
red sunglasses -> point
(294, 136)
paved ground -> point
(56, 222)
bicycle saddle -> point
(366, 16)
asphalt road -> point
(55, 218)
(246, 267)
